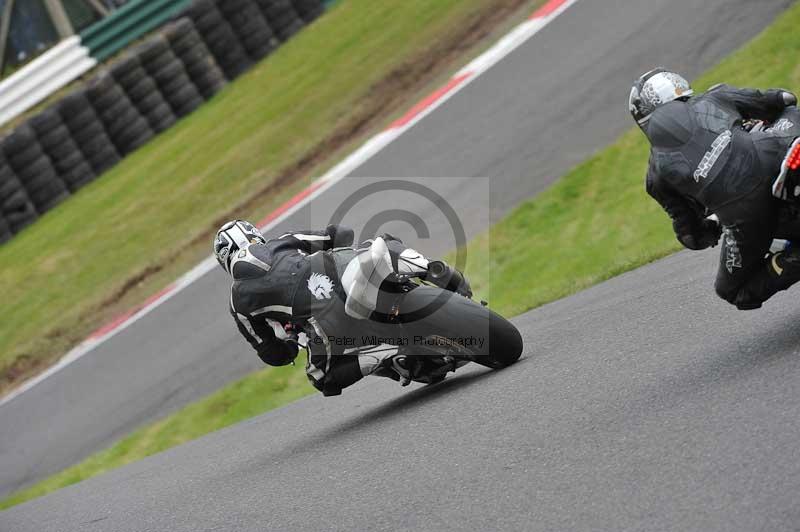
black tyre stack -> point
(34, 168)
(16, 209)
(88, 131)
(281, 16)
(195, 56)
(173, 81)
(219, 37)
(309, 9)
(57, 142)
(143, 92)
(246, 19)
(126, 128)
(5, 230)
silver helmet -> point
(654, 89)
(233, 236)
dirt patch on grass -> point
(381, 100)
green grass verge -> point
(65, 272)
(594, 223)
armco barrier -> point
(127, 24)
(42, 77)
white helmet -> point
(233, 236)
(654, 89)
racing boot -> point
(779, 271)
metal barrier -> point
(43, 76)
(127, 24)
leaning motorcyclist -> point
(703, 161)
(290, 285)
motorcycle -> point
(412, 304)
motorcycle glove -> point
(705, 235)
(341, 236)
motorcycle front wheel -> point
(437, 320)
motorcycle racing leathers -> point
(292, 283)
(703, 161)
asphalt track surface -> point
(541, 110)
(621, 416)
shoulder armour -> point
(671, 125)
(249, 263)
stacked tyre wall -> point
(144, 92)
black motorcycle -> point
(414, 306)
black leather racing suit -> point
(702, 162)
(293, 282)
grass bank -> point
(594, 223)
(151, 218)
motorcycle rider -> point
(703, 161)
(287, 285)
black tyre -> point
(78, 176)
(96, 146)
(89, 133)
(150, 102)
(115, 117)
(56, 139)
(161, 117)
(129, 131)
(145, 88)
(196, 58)
(19, 142)
(258, 38)
(76, 122)
(186, 101)
(73, 104)
(156, 64)
(6, 233)
(127, 71)
(36, 174)
(48, 196)
(20, 159)
(249, 24)
(19, 212)
(151, 49)
(182, 35)
(42, 184)
(281, 16)
(435, 313)
(45, 122)
(309, 9)
(227, 50)
(134, 138)
(104, 160)
(103, 91)
(169, 73)
(203, 13)
(67, 163)
(9, 183)
(209, 83)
